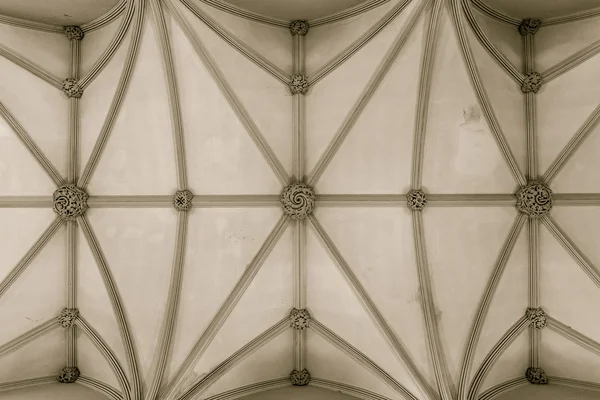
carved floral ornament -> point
(298, 200)
(68, 375)
(534, 199)
(298, 84)
(67, 317)
(182, 200)
(300, 378)
(299, 319)
(532, 83)
(69, 202)
(299, 27)
(537, 317)
(536, 376)
(416, 200)
(71, 88)
(529, 26)
(74, 32)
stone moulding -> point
(298, 200)
(529, 26)
(67, 317)
(69, 202)
(534, 199)
(536, 376)
(298, 84)
(71, 88)
(532, 83)
(300, 378)
(299, 27)
(182, 200)
(68, 375)
(416, 200)
(537, 317)
(74, 32)
(299, 319)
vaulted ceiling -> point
(449, 150)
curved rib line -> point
(484, 305)
(30, 67)
(115, 299)
(366, 94)
(235, 358)
(571, 62)
(348, 13)
(30, 335)
(442, 375)
(495, 353)
(497, 15)
(170, 317)
(36, 26)
(112, 48)
(105, 19)
(219, 319)
(482, 95)
(254, 388)
(108, 354)
(572, 249)
(358, 44)
(30, 255)
(25, 383)
(424, 93)
(504, 387)
(173, 92)
(370, 308)
(572, 17)
(489, 46)
(237, 44)
(101, 387)
(118, 99)
(229, 94)
(574, 336)
(361, 358)
(347, 389)
(571, 147)
(243, 13)
(31, 146)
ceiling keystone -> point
(182, 200)
(69, 202)
(534, 199)
(299, 27)
(71, 88)
(298, 84)
(416, 199)
(300, 378)
(532, 83)
(67, 317)
(529, 26)
(298, 200)
(68, 375)
(299, 319)
(74, 32)
(536, 376)
(537, 317)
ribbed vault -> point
(396, 201)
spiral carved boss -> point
(69, 202)
(534, 199)
(298, 200)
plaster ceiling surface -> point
(184, 259)
(57, 12)
(541, 8)
(295, 9)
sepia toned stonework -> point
(300, 378)
(69, 202)
(74, 32)
(182, 200)
(71, 88)
(532, 83)
(67, 317)
(416, 200)
(68, 375)
(536, 376)
(299, 319)
(298, 200)
(299, 27)
(535, 199)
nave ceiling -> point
(207, 200)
